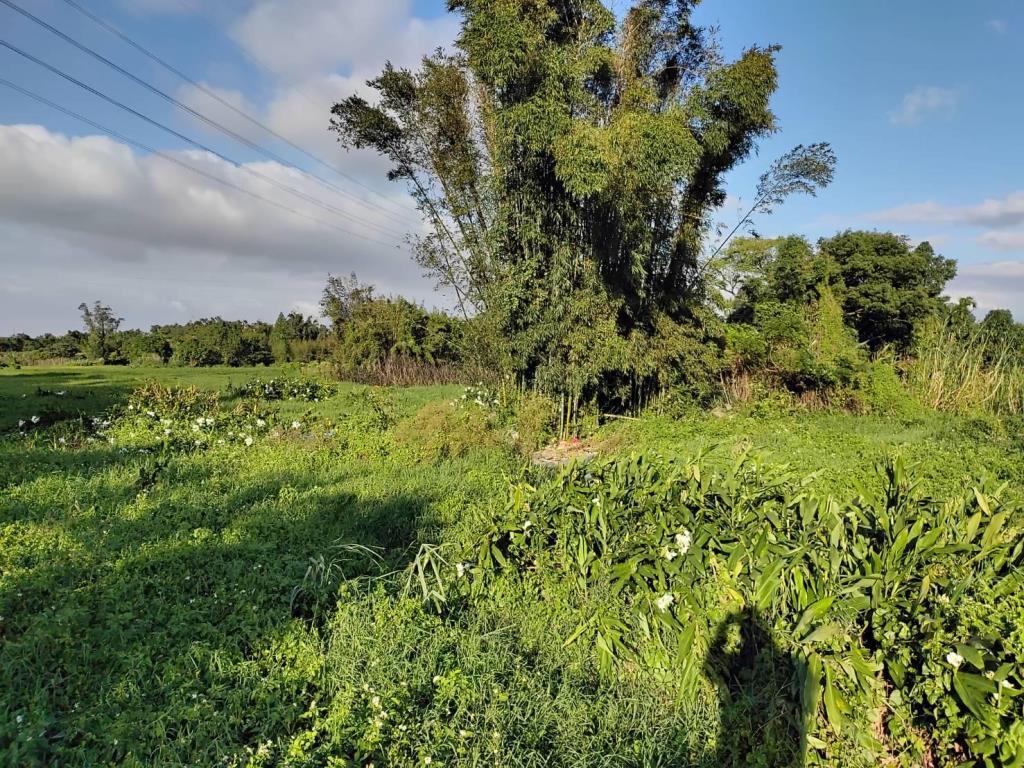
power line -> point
(170, 158)
(214, 95)
(190, 8)
(199, 145)
(195, 113)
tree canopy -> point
(569, 167)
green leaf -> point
(973, 655)
(974, 690)
(834, 703)
(823, 633)
(810, 691)
(813, 612)
(982, 501)
(992, 530)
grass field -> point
(248, 604)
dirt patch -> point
(564, 452)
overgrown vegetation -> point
(858, 628)
(206, 562)
(352, 579)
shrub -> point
(898, 613)
(878, 389)
(283, 388)
(447, 430)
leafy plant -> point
(864, 597)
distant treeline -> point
(852, 321)
(364, 332)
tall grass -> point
(962, 371)
(406, 372)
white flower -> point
(954, 659)
(19, 719)
(151, 414)
(1006, 684)
(195, 427)
(428, 760)
(669, 554)
(664, 602)
(527, 525)
(460, 569)
(35, 419)
(260, 423)
(63, 441)
(61, 393)
(21, 423)
(167, 431)
(683, 541)
(296, 425)
(375, 701)
(248, 440)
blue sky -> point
(922, 102)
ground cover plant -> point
(201, 577)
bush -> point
(447, 430)
(307, 389)
(878, 389)
(898, 614)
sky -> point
(922, 100)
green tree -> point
(342, 297)
(886, 287)
(569, 167)
(289, 332)
(101, 324)
(785, 269)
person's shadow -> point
(759, 699)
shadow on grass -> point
(170, 633)
(759, 703)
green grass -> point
(947, 452)
(28, 392)
(217, 606)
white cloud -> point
(1012, 240)
(925, 101)
(133, 228)
(302, 112)
(994, 285)
(199, 99)
(997, 25)
(296, 39)
(992, 212)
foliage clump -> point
(568, 166)
(875, 605)
(286, 388)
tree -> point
(785, 269)
(342, 296)
(886, 287)
(567, 167)
(289, 332)
(101, 324)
